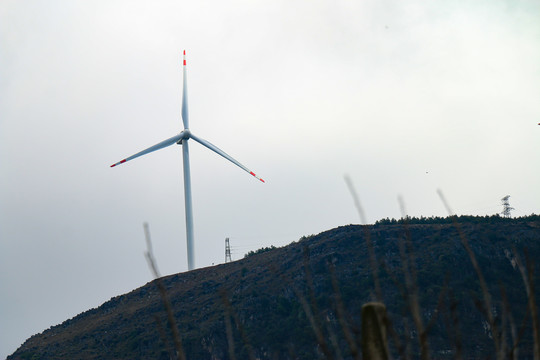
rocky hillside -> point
(270, 304)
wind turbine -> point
(182, 139)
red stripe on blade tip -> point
(252, 173)
(118, 163)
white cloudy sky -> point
(405, 97)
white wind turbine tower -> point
(182, 139)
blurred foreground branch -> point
(163, 293)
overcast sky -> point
(405, 97)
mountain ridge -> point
(263, 292)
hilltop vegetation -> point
(462, 219)
(267, 305)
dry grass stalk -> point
(373, 264)
(313, 316)
(334, 340)
(228, 326)
(527, 276)
(409, 271)
(163, 336)
(229, 311)
(342, 315)
(485, 292)
(369, 243)
(456, 334)
(513, 351)
(163, 293)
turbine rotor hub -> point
(186, 134)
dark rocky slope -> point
(266, 290)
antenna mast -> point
(506, 207)
(227, 251)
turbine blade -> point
(161, 145)
(223, 153)
(185, 116)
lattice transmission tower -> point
(227, 251)
(506, 207)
